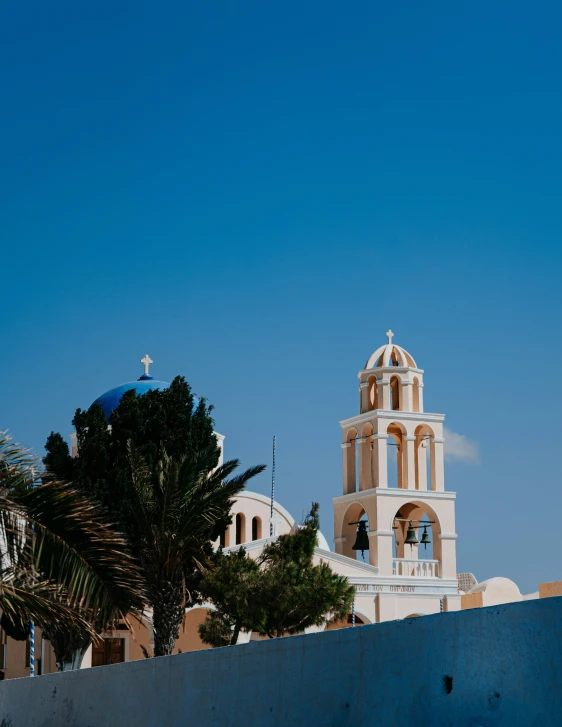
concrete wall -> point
(483, 667)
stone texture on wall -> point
(483, 667)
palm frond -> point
(53, 533)
(190, 501)
(40, 601)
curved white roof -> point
(249, 495)
(383, 357)
(498, 582)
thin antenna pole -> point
(272, 491)
(31, 624)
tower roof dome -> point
(110, 400)
(390, 355)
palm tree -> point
(63, 564)
(175, 517)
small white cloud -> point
(460, 448)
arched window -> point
(395, 393)
(256, 528)
(240, 522)
(373, 395)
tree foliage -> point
(231, 583)
(280, 593)
(175, 521)
(156, 469)
(170, 421)
(64, 565)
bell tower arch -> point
(393, 467)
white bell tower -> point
(392, 425)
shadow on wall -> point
(500, 678)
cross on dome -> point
(146, 361)
(390, 335)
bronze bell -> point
(425, 539)
(362, 539)
(411, 538)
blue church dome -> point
(111, 398)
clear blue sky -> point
(254, 192)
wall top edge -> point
(391, 414)
(396, 492)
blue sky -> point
(253, 193)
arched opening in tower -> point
(424, 458)
(396, 455)
(395, 393)
(351, 456)
(349, 532)
(373, 402)
(416, 545)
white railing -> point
(415, 568)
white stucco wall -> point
(488, 667)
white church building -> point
(394, 521)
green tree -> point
(173, 523)
(156, 469)
(169, 420)
(284, 595)
(231, 583)
(63, 563)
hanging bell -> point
(411, 538)
(362, 539)
(425, 539)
